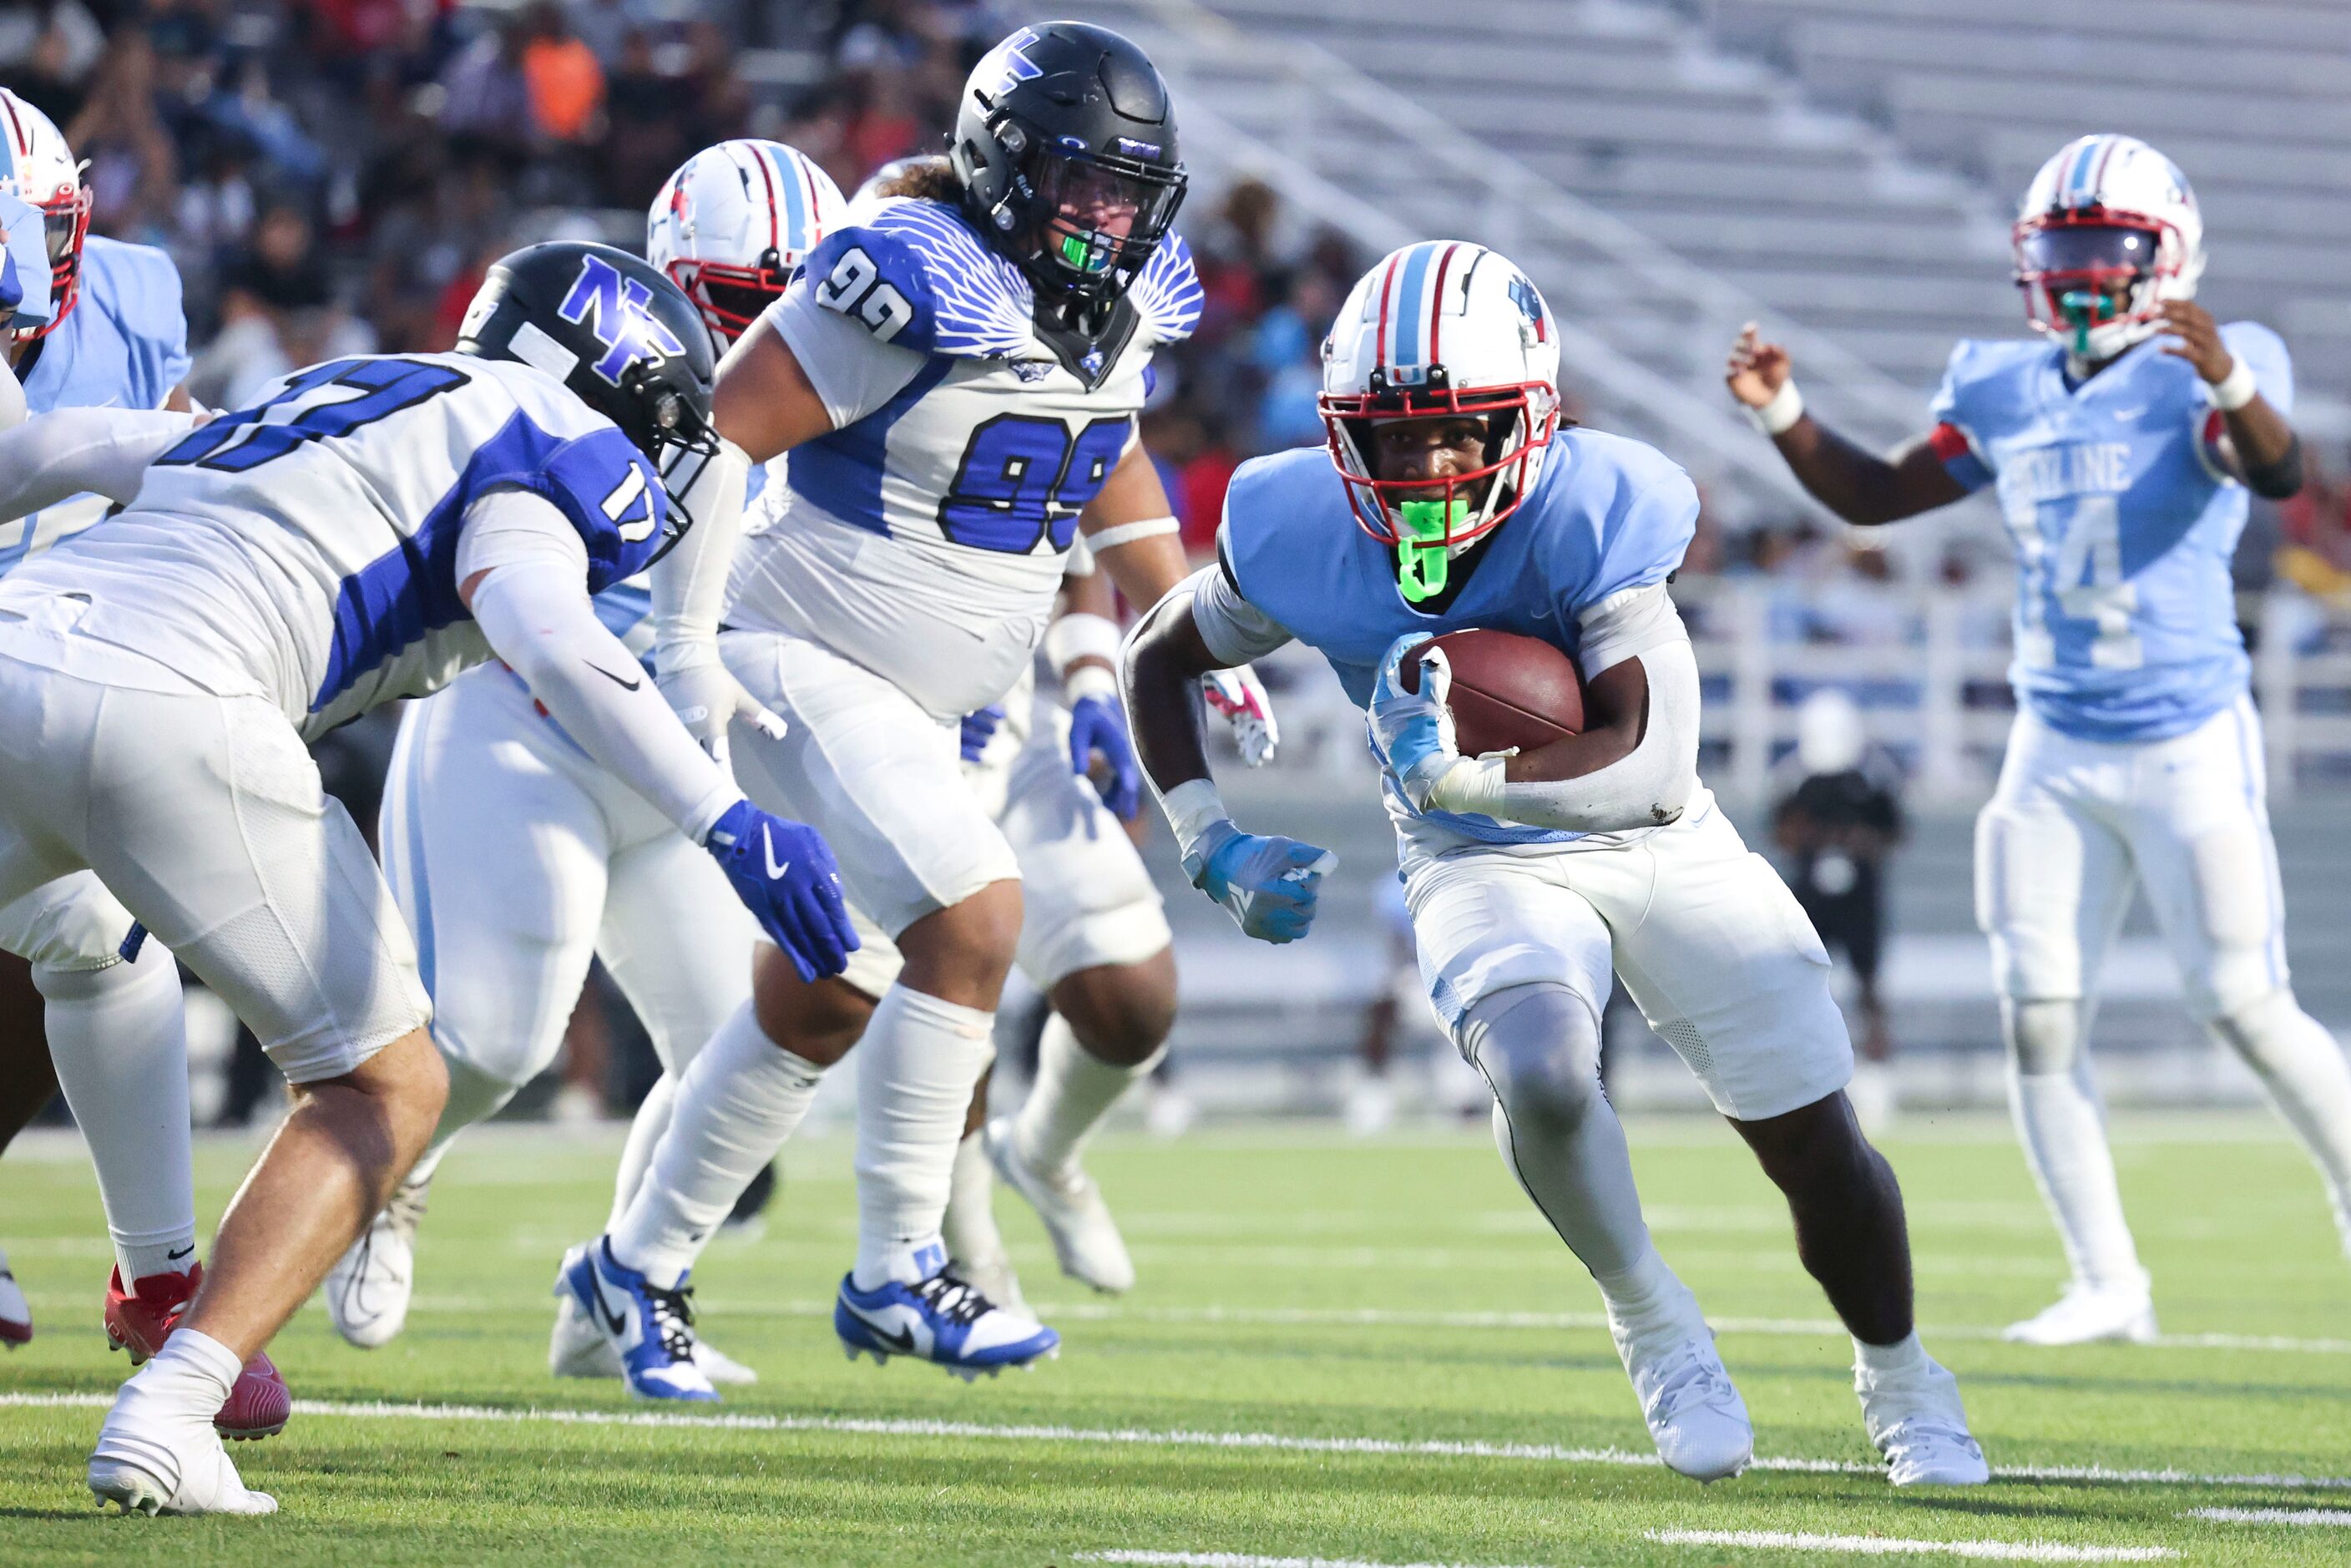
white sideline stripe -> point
(1177, 1438)
(1896, 1546)
(1239, 1560)
(2301, 1516)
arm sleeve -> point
(1646, 788)
(533, 606)
(78, 449)
(853, 373)
(689, 584)
(1625, 624)
(1236, 632)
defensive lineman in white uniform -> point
(368, 530)
(515, 858)
(1458, 503)
(957, 381)
(2123, 446)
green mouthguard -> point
(1421, 528)
(1081, 252)
(2084, 308)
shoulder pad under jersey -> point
(914, 275)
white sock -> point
(194, 1367)
(2302, 1066)
(1644, 1289)
(916, 1069)
(119, 1037)
(1904, 1360)
(741, 1097)
(644, 1135)
(969, 1225)
(1074, 1091)
(2064, 1137)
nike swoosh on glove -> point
(707, 698)
(979, 728)
(784, 873)
(1414, 731)
(1270, 884)
(1238, 697)
(1096, 726)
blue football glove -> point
(784, 873)
(1097, 726)
(1270, 884)
(979, 728)
(24, 266)
(1414, 731)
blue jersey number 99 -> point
(1023, 479)
(233, 442)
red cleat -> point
(141, 1322)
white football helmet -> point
(2107, 232)
(40, 170)
(1441, 327)
(733, 224)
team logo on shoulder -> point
(617, 310)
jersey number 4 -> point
(315, 404)
(1023, 479)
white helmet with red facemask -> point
(38, 169)
(2107, 232)
(1440, 328)
(732, 226)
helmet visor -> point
(1102, 222)
(2088, 250)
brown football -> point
(1508, 690)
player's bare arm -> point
(1859, 486)
(1132, 530)
(764, 401)
(2260, 447)
(1165, 655)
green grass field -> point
(1364, 1353)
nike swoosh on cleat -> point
(767, 840)
(627, 686)
(613, 1320)
(900, 1340)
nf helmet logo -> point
(616, 310)
(1530, 306)
(1009, 66)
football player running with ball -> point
(956, 377)
(2123, 446)
(1459, 502)
(368, 530)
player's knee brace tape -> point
(1538, 1048)
(2044, 1037)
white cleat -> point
(1921, 1428)
(154, 1459)
(1693, 1410)
(2086, 1314)
(368, 1289)
(577, 1349)
(16, 1313)
(1085, 1238)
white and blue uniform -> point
(2136, 755)
(123, 345)
(281, 570)
(1708, 941)
(908, 566)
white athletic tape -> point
(1177, 1438)
(1896, 1546)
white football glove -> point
(707, 699)
(1240, 698)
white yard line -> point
(1174, 1438)
(1238, 1560)
(1896, 1546)
(2306, 1516)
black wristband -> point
(2277, 481)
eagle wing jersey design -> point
(313, 537)
(923, 536)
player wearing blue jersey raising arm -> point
(1459, 502)
(2123, 446)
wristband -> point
(2235, 389)
(1102, 539)
(1780, 415)
(1081, 634)
(1192, 809)
(1088, 680)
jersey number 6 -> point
(855, 289)
(1023, 479)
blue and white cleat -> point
(941, 1319)
(649, 1328)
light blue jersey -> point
(123, 345)
(2124, 522)
(1606, 515)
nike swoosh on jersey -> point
(900, 1340)
(630, 684)
(767, 841)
